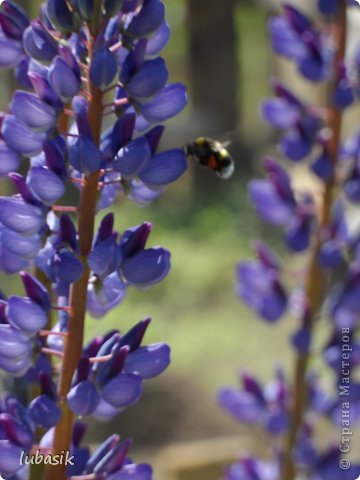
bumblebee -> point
(212, 154)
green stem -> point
(315, 291)
(86, 221)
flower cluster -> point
(321, 225)
(86, 120)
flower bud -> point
(38, 43)
(60, 16)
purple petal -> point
(16, 367)
(20, 216)
(11, 52)
(123, 390)
(9, 159)
(261, 290)
(331, 255)
(285, 41)
(159, 40)
(55, 152)
(111, 293)
(44, 411)
(297, 20)
(295, 146)
(323, 167)
(84, 155)
(24, 246)
(12, 343)
(147, 267)
(241, 405)
(38, 43)
(105, 411)
(141, 124)
(108, 195)
(43, 88)
(135, 335)
(16, 431)
(134, 239)
(148, 361)
(153, 136)
(103, 68)
(13, 19)
(149, 80)
(140, 471)
(11, 263)
(343, 96)
(20, 137)
(270, 206)
(148, 20)
(63, 80)
(132, 157)
(83, 399)
(10, 455)
(141, 194)
(105, 257)
(301, 340)
(29, 109)
(35, 290)
(312, 68)
(166, 104)
(65, 267)
(298, 233)
(280, 113)
(122, 132)
(164, 168)
(61, 17)
(45, 185)
(26, 315)
(276, 422)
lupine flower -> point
(116, 382)
(343, 95)
(332, 252)
(60, 60)
(17, 434)
(24, 317)
(38, 43)
(275, 202)
(252, 469)
(329, 284)
(332, 353)
(254, 405)
(260, 287)
(111, 459)
(294, 36)
(301, 123)
(43, 409)
(118, 265)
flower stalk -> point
(315, 285)
(73, 344)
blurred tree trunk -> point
(215, 85)
(213, 63)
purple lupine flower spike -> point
(66, 62)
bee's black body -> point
(211, 154)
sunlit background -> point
(220, 50)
